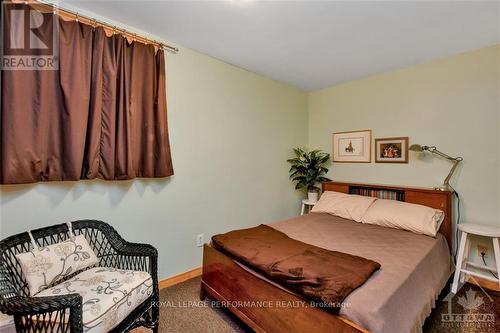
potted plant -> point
(308, 169)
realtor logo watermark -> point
(29, 37)
(472, 316)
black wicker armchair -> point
(63, 313)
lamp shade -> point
(416, 147)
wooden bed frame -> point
(267, 308)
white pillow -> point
(348, 206)
(403, 215)
(44, 266)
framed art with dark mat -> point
(391, 150)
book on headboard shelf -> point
(398, 195)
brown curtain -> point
(103, 114)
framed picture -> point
(352, 147)
(391, 150)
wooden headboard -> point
(422, 196)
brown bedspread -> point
(319, 274)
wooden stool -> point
(463, 253)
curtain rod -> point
(94, 22)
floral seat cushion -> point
(109, 295)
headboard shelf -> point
(386, 187)
(391, 194)
(423, 196)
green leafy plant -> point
(308, 168)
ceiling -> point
(312, 45)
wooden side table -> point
(307, 203)
(463, 252)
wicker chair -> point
(63, 313)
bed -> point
(397, 298)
